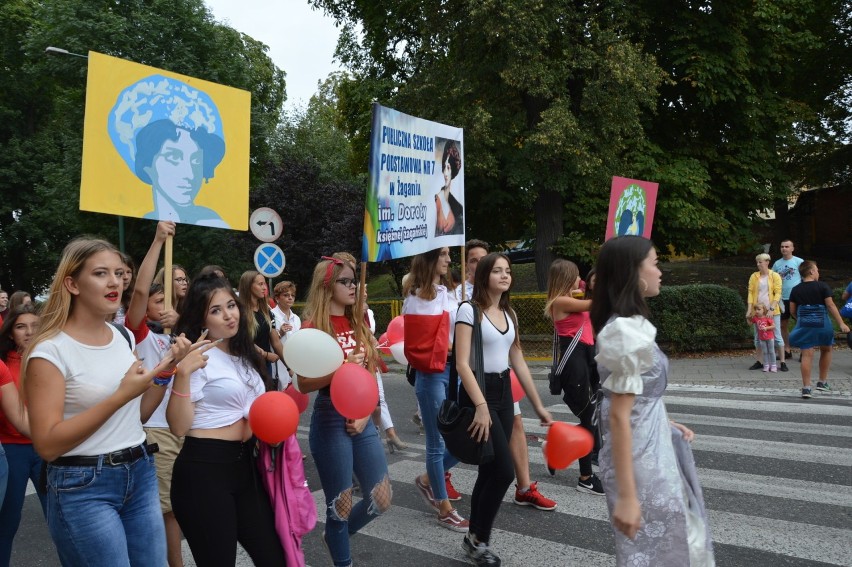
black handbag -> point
(454, 420)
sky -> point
(301, 40)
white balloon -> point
(311, 353)
(398, 352)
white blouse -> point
(626, 348)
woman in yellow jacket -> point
(764, 287)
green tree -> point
(42, 103)
(729, 106)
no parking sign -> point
(269, 260)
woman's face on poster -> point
(448, 173)
(177, 169)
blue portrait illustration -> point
(170, 135)
(630, 212)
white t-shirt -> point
(92, 374)
(280, 320)
(223, 391)
(495, 344)
(445, 300)
(152, 347)
(468, 289)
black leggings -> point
(218, 500)
(582, 369)
(494, 478)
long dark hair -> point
(194, 313)
(480, 294)
(617, 280)
(7, 342)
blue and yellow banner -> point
(415, 200)
(164, 146)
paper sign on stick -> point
(631, 207)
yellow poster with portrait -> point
(164, 146)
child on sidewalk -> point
(765, 326)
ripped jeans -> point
(337, 456)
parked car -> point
(523, 252)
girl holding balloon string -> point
(494, 415)
(341, 446)
(217, 494)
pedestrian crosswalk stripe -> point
(753, 407)
(766, 534)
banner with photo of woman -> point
(164, 146)
(415, 199)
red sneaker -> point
(452, 494)
(533, 497)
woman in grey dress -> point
(655, 502)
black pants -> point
(494, 478)
(580, 382)
(218, 500)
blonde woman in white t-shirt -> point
(87, 397)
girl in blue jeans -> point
(342, 447)
(86, 392)
(428, 294)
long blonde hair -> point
(561, 277)
(317, 307)
(57, 308)
(247, 298)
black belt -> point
(115, 458)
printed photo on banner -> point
(164, 146)
(631, 207)
(415, 199)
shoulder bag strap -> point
(476, 345)
(477, 349)
(568, 351)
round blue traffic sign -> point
(269, 260)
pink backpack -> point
(283, 478)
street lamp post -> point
(51, 50)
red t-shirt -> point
(342, 332)
(10, 372)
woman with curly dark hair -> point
(450, 213)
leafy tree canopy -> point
(41, 118)
(728, 105)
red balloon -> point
(566, 443)
(354, 391)
(396, 330)
(384, 344)
(298, 397)
(274, 417)
(517, 390)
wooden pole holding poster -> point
(463, 274)
(168, 279)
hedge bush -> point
(699, 317)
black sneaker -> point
(756, 366)
(591, 485)
(783, 367)
(480, 554)
(823, 387)
(806, 393)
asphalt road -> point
(776, 472)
